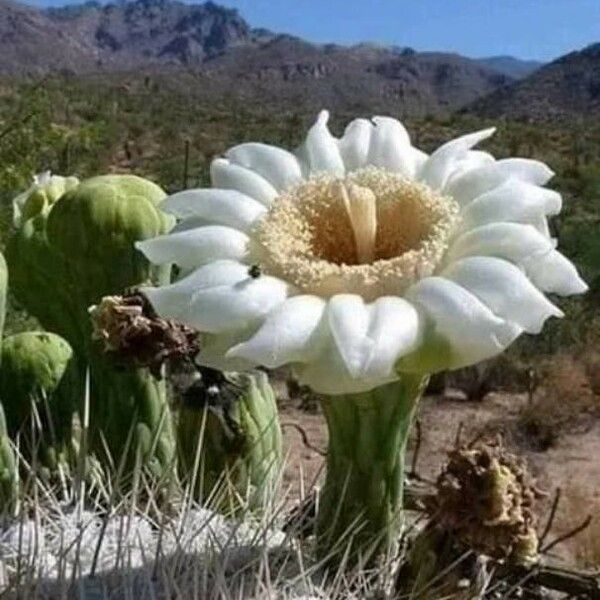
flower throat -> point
(371, 233)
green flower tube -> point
(230, 440)
(360, 505)
(37, 397)
(77, 249)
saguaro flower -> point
(365, 264)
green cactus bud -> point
(35, 391)
(73, 252)
(33, 364)
(241, 452)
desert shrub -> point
(587, 546)
(564, 400)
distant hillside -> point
(567, 87)
(32, 43)
(511, 66)
(291, 69)
(217, 43)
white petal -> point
(513, 201)
(370, 338)
(320, 149)
(504, 289)
(441, 163)
(276, 165)
(174, 301)
(541, 224)
(216, 273)
(222, 207)
(329, 375)
(226, 308)
(195, 247)
(229, 307)
(552, 272)
(289, 334)
(354, 144)
(361, 345)
(226, 175)
(348, 320)
(395, 330)
(511, 241)
(390, 147)
(464, 186)
(474, 159)
(419, 159)
(469, 330)
(190, 223)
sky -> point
(528, 29)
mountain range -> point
(221, 49)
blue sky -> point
(536, 29)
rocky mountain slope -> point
(565, 88)
(153, 31)
(30, 42)
(288, 68)
(511, 66)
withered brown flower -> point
(485, 499)
(133, 334)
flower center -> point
(372, 233)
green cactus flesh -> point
(66, 258)
(241, 445)
(9, 476)
(8, 465)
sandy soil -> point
(572, 463)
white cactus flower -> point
(357, 258)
